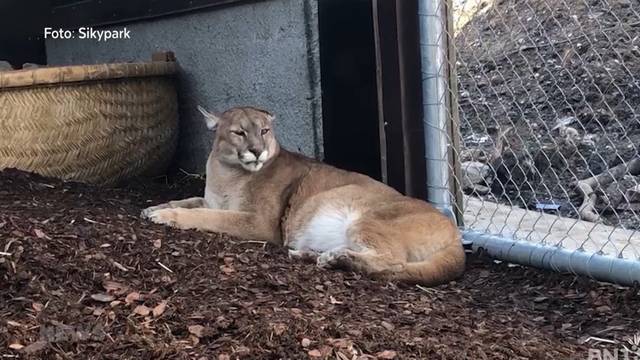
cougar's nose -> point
(255, 152)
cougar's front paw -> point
(145, 214)
(164, 216)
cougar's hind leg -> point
(304, 255)
(334, 258)
(366, 251)
(368, 262)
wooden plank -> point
(396, 28)
(389, 90)
(381, 125)
(72, 14)
(455, 184)
(411, 98)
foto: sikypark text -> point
(87, 33)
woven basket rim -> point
(80, 73)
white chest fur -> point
(213, 200)
(224, 187)
(230, 198)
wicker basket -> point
(95, 123)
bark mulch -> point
(83, 277)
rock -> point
(564, 122)
(476, 177)
(618, 194)
(633, 194)
(548, 157)
(589, 140)
(632, 202)
(477, 140)
(30, 66)
(514, 169)
(477, 148)
(474, 155)
(570, 134)
(5, 66)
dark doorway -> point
(349, 90)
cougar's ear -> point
(211, 119)
(271, 117)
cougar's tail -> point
(443, 266)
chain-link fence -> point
(548, 98)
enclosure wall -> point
(263, 54)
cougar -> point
(257, 190)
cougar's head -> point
(243, 137)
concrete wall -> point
(263, 54)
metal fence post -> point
(433, 48)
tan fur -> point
(285, 197)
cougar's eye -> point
(264, 131)
(239, 133)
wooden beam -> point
(396, 30)
(455, 184)
(72, 14)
